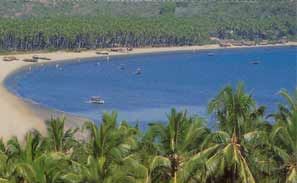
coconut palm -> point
(95, 170)
(110, 154)
(46, 168)
(231, 108)
(59, 139)
(32, 162)
(240, 125)
(33, 146)
(175, 145)
(4, 165)
(284, 136)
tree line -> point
(245, 147)
(54, 33)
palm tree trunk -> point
(175, 178)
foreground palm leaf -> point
(60, 140)
(285, 137)
(110, 158)
(175, 143)
(240, 123)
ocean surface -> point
(185, 80)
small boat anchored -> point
(210, 54)
(122, 67)
(96, 100)
(138, 71)
(255, 62)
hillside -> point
(43, 8)
(53, 24)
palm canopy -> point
(241, 125)
(60, 139)
(235, 110)
(284, 136)
(110, 139)
(110, 149)
(174, 145)
(32, 162)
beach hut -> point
(283, 40)
(224, 44)
(264, 42)
(249, 43)
(236, 43)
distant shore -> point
(18, 116)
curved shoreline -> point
(19, 116)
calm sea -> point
(187, 80)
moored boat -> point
(96, 100)
(122, 67)
(255, 62)
(138, 71)
(30, 60)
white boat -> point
(138, 71)
(96, 100)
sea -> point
(144, 88)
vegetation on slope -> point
(140, 24)
(245, 148)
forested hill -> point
(67, 24)
(147, 8)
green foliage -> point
(243, 149)
(52, 24)
(168, 8)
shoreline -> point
(18, 116)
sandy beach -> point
(18, 116)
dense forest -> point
(51, 25)
(244, 148)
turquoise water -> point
(185, 80)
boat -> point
(210, 54)
(102, 53)
(36, 57)
(9, 58)
(30, 60)
(138, 71)
(255, 62)
(96, 100)
(122, 67)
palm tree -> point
(231, 148)
(59, 139)
(32, 162)
(231, 108)
(177, 147)
(5, 167)
(110, 154)
(284, 136)
(46, 168)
